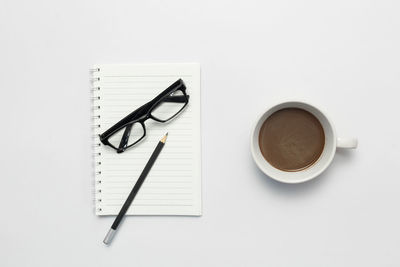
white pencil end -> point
(110, 235)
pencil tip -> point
(164, 138)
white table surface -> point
(342, 55)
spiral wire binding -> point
(96, 145)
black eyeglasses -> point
(131, 129)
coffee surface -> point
(291, 139)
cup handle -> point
(346, 142)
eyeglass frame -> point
(143, 113)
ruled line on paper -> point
(134, 204)
(148, 193)
(159, 75)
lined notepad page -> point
(173, 186)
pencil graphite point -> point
(164, 138)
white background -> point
(341, 55)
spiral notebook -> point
(173, 186)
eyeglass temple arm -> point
(178, 85)
(176, 98)
(125, 138)
(137, 113)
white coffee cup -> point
(331, 143)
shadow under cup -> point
(302, 175)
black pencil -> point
(135, 189)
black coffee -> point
(291, 139)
